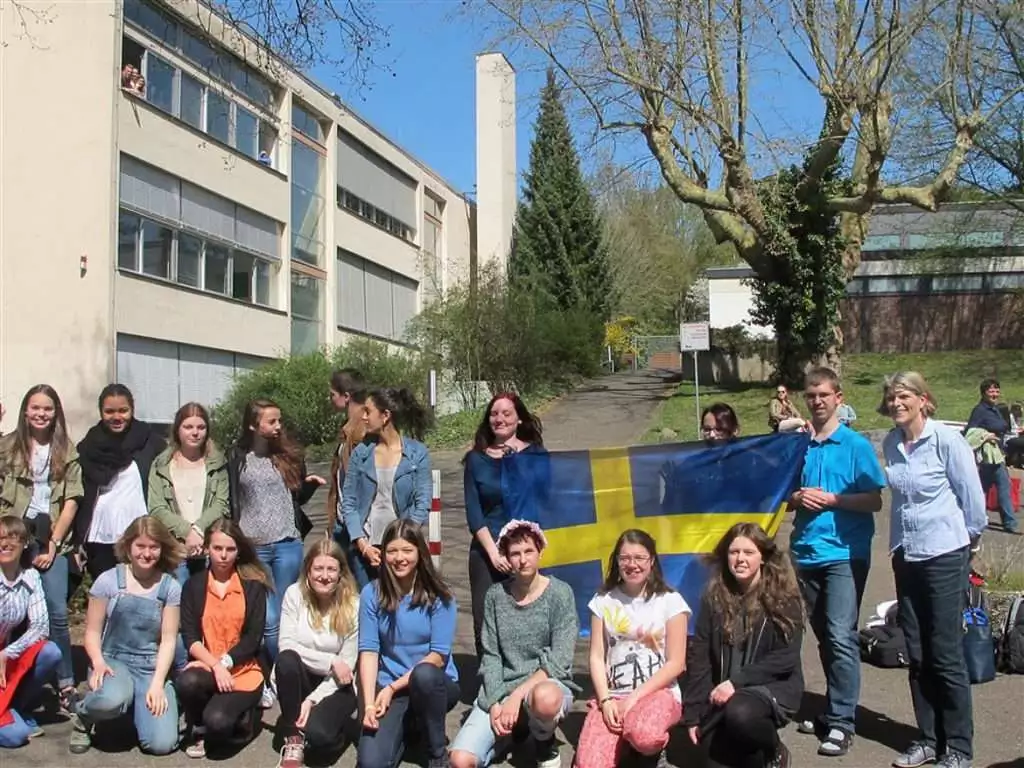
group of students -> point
(365, 617)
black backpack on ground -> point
(884, 646)
(1011, 645)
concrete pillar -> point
(496, 179)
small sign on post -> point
(695, 338)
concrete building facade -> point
(171, 232)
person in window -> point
(938, 515)
(388, 477)
(406, 672)
(131, 629)
(530, 630)
(264, 158)
(188, 486)
(348, 395)
(315, 670)
(269, 485)
(783, 415)
(116, 455)
(41, 483)
(506, 429)
(28, 660)
(637, 653)
(988, 417)
(743, 679)
(223, 612)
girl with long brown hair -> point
(744, 680)
(269, 485)
(315, 669)
(131, 630)
(41, 482)
(223, 612)
(406, 629)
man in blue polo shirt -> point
(831, 548)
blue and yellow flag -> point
(684, 495)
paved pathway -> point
(607, 412)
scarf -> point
(104, 454)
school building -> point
(177, 206)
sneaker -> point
(836, 743)
(782, 759)
(953, 759)
(547, 754)
(81, 736)
(916, 755)
(67, 700)
(268, 698)
(197, 749)
(293, 753)
(34, 729)
(810, 727)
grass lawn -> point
(953, 377)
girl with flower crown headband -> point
(529, 635)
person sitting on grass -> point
(131, 630)
(529, 635)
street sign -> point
(694, 337)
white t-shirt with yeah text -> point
(634, 637)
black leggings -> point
(99, 558)
(746, 736)
(481, 576)
(220, 714)
(325, 728)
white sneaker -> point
(268, 699)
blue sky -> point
(424, 101)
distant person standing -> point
(783, 415)
(348, 396)
(987, 416)
(846, 414)
(840, 491)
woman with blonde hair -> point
(743, 679)
(188, 485)
(316, 665)
(223, 612)
(938, 514)
(131, 629)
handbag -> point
(979, 644)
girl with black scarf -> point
(115, 455)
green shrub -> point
(300, 384)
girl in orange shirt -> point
(223, 611)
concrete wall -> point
(729, 304)
(58, 79)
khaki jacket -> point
(164, 506)
(16, 485)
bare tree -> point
(690, 78)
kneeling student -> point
(528, 638)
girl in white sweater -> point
(318, 650)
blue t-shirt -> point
(105, 586)
(842, 463)
(402, 640)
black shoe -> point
(836, 743)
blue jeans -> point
(284, 561)
(362, 572)
(55, 590)
(999, 476)
(430, 696)
(125, 691)
(931, 600)
(26, 698)
(832, 593)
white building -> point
(228, 211)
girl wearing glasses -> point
(637, 652)
(718, 423)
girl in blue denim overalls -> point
(130, 636)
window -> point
(128, 242)
(262, 279)
(349, 201)
(246, 132)
(1006, 282)
(192, 101)
(218, 117)
(307, 124)
(151, 20)
(199, 53)
(268, 143)
(156, 250)
(241, 276)
(215, 276)
(305, 313)
(307, 203)
(368, 176)
(372, 299)
(190, 251)
(159, 83)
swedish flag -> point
(684, 495)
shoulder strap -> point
(122, 579)
(165, 586)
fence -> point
(657, 352)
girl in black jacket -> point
(743, 679)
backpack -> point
(1011, 645)
(884, 646)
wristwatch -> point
(227, 662)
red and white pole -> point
(434, 520)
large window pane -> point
(159, 83)
(307, 167)
(156, 250)
(199, 52)
(191, 101)
(152, 21)
(241, 276)
(215, 272)
(189, 250)
(305, 313)
(127, 241)
(218, 117)
(304, 122)
(246, 132)
(262, 283)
